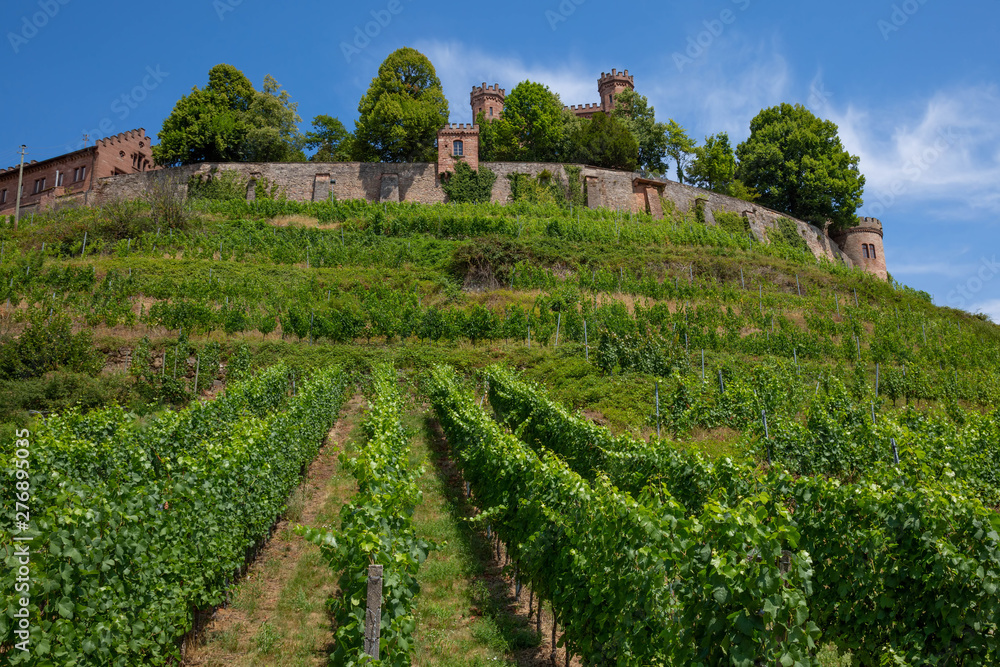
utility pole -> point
(20, 185)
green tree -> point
(633, 111)
(273, 134)
(799, 166)
(535, 116)
(680, 147)
(714, 166)
(603, 141)
(497, 141)
(330, 139)
(402, 111)
(229, 121)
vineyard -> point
(645, 442)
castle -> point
(72, 177)
(120, 167)
(488, 100)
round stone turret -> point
(610, 85)
(487, 100)
(863, 246)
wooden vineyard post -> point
(895, 451)
(373, 614)
(586, 343)
(767, 436)
(657, 393)
(703, 365)
(197, 371)
(558, 324)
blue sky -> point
(914, 85)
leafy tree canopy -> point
(497, 141)
(799, 166)
(402, 111)
(714, 166)
(229, 121)
(680, 147)
(330, 139)
(634, 112)
(603, 141)
(535, 116)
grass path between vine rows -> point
(467, 613)
(278, 613)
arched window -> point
(872, 248)
(458, 147)
(864, 247)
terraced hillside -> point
(687, 445)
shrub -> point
(227, 185)
(48, 344)
(469, 186)
(731, 222)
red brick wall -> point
(101, 160)
(468, 135)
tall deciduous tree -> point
(799, 166)
(714, 166)
(273, 134)
(633, 111)
(680, 147)
(330, 139)
(535, 116)
(497, 141)
(402, 111)
(603, 141)
(229, 121)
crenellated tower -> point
(487, 100)
(863, 246)
(610, 85)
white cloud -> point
(461, 67)
(942, 153)
(724, 88)
(949, 270)
(990, 307)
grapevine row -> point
(377, 529)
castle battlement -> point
(615, 75)
(460, 126)
(485, 90)
(584, 107)
(121, 137)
